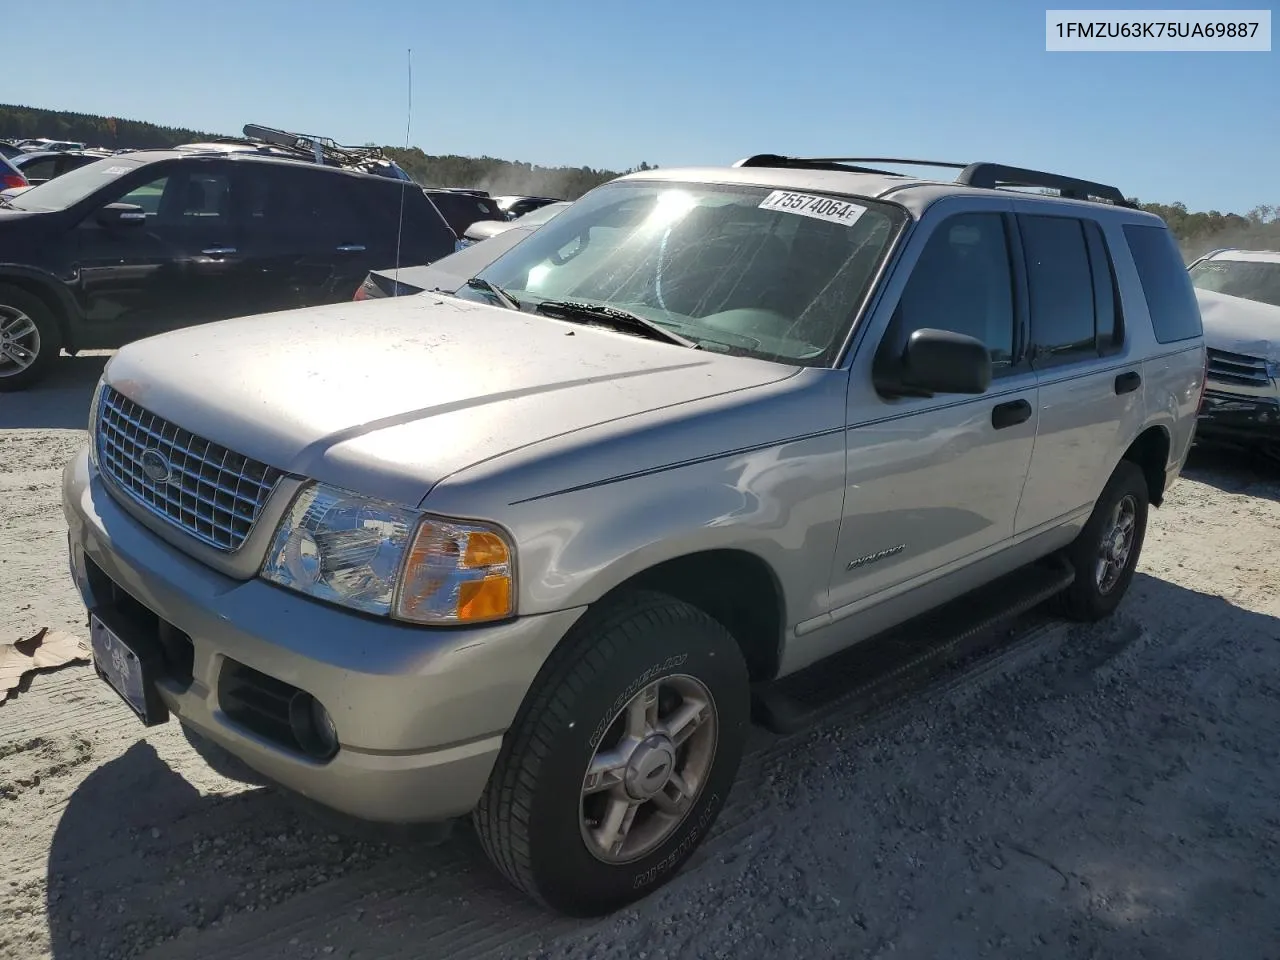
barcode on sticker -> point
(811, 205)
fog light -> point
(312, 726)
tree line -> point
(1197, 232)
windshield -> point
(74, 185)
(1249, 279)
(749, 270)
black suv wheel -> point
(29, 338)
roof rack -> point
(322, 150)
(991, 176)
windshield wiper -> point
(506, 299)
(614, 317)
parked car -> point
(9, 150)
(1239, 295)
(484, 229)
(142, 242)
(43, 144)
(462, 208)
(483, 242)
(529, 552)
(47, 164)
(515, 207)
(11, 178)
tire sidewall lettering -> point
(647, 677)
(711, 804)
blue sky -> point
(698, 81)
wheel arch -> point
(1149, 452)
(733, 586)
(49, 291)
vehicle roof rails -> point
(991, 176)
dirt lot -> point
(1106, 792)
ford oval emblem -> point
(155, 467)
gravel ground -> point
(1093, 792)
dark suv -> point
(149, 241)
(461, 209)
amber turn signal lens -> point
(457, 572)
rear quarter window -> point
(1166, 285)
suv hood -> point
(387, 397)
(1239, 325)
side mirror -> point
(938, 361)
(121, 215)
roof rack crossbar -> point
(984, 175)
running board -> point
(886, 666)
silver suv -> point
(526, 551)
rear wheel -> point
(621, 758)
(1106, 552)
(29, 338)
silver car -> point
(1239, 294)
(526, 551)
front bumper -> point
(1239, 418)
(419, 712)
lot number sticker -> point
(809, 205)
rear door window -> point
(1166, 285)
(1074, 306)
(307, 209)
(1060, 285)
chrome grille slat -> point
(214, 494)
(1238, 368)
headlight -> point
(95, 409)
(385, 559)
(1273, 368)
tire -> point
(533, 820)
(1092, 596)
(21, 309)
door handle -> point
(351, 248)
(217, 251)
(1010, 414)
(1128, 382)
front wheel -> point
(621, 758)
(29, 338)
(1106, 552)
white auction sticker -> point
(811, 205)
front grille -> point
(212, 493)
(1238, 369)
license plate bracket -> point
(129, 664)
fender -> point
(53, 290)
(779, 504)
